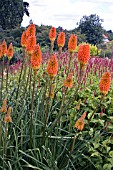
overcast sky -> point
(66, 13)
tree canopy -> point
(11, 13)
(92, 28)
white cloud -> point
(67, 13)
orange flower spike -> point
(31, 44)
(3, 109)
(24, 39)
(10, 51)
(4, 48)
(69, 81)
(61, 39)
(72, 43)
(8, 118)
(52, 67)
(52, 34)
(84, 115)
(31, 30)
(80, 122)
(105, 82)
(83, 54)
(0, 51)
(36, 58)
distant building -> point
(105, 38)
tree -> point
(26, 5)
(11, 13)
(110, 35)
(91, 27)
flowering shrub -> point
(56, 108)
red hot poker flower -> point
(36, 58)
(24, 39)
(84, 115)
(8, 118)
(10, 51)
(31, 30)
(31, 44)
(84, 53)
(72, 43)
(61, 39)
(4, 48)
(3, 109)
(52, 67)
(80, 122)
(52, 34)
(69, 81)
(105, 82)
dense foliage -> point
(14, 36)
(91, 27)
(40, 132)
(11, 13)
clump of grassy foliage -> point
(41, 134)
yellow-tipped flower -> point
(52, 67)
(8, 118)
(24, 39)
(83, 54)
(105, 82)
(10, 51)
(61, 39)
(69, 81)
(4, 48)
(36, 58)
(52, 34)
(31, 30)
(3, 109)
(80, 122)
(72, 44)
(31, 43)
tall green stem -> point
(46, 111)
(2, 77)
(19, 80)
(7, 76)
(5, 146)
(24, 95)
(31, 112)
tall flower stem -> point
(25, 62)
(52, 46)
(98, 105)
(7, 75)
(24, 95)
(72, 147)
(1, 118)
(31, 112)
(61, 112)
(69, 64)
(2, 77)
(62, 104)
(57, 120)
(82, 69)
(5, 145)
(19, 82)
(46, 110)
